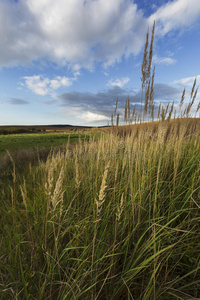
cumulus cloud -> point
(77, 32)
(82, 32)
(91, 117)
(42, 86)
(16, 101)
(119, 82)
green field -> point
(16, 142)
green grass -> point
(112, 219)
(16, 142)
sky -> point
(67, 61)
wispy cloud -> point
(16, 101)
(42, 86)
(76, 70)
(119, 82)
(105, 73)
(175, 15)
(188, 81)
(163, 60)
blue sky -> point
(67, 61)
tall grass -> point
(113, 218)
(149, 108)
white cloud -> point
(76, 70)
(163, 60)
(174, 15)
(75, 32)
(119, 82)
(188, 81)
(106, 74)
(91, 117)
(81, 32)
(43, 86)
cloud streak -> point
(163, 60)
(188, 81)
(177, 14)
(16, 101)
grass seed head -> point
(101, 199)
(24, 194)
(120, 208)
(77, 181)
(57, 195)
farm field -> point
(16, 142)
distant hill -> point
(15, 129)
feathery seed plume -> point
(193, 87)
(101, 199)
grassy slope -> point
(113, 219)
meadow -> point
(116, 218)
(110, 218)
(15, 142)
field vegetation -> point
(16, 142)
(116, 217)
